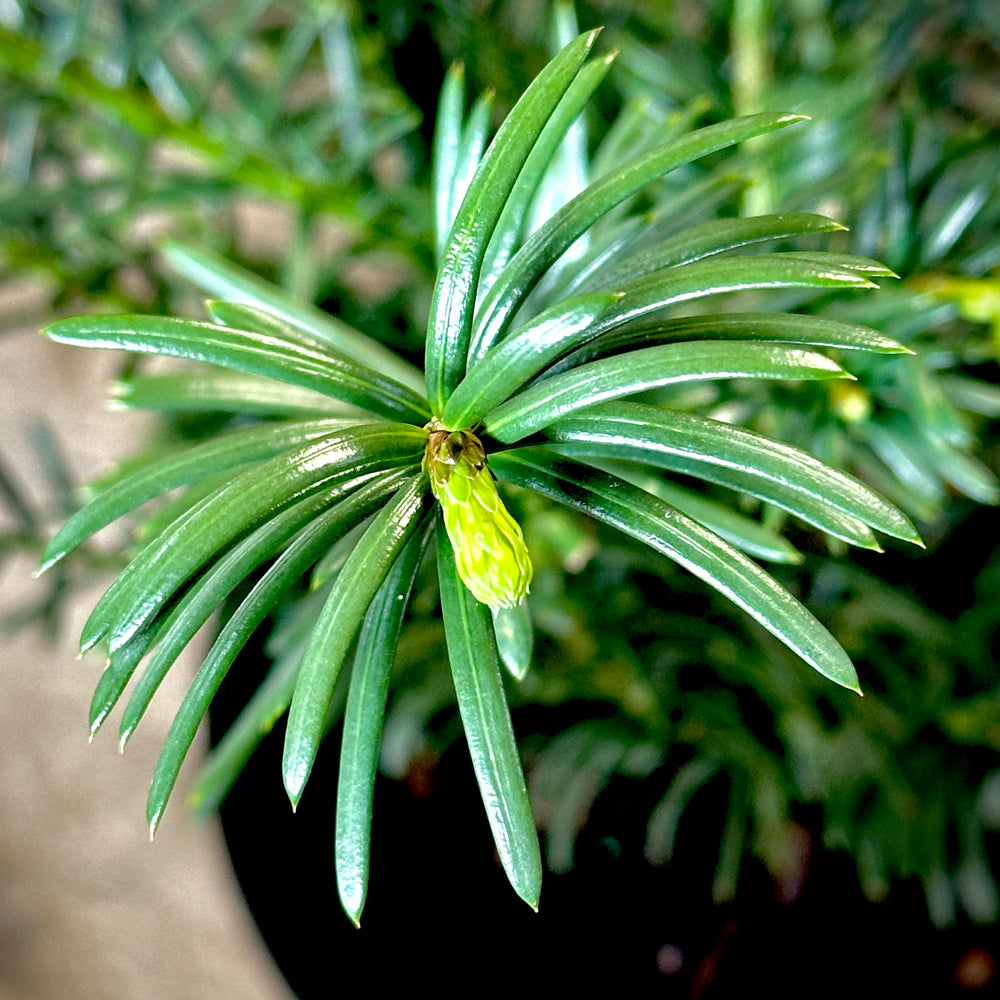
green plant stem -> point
(750, 77)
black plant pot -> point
(439, 909)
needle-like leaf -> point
(627, 374)
(548, 243)
(538, 167)
(211, 391)
(470, 154)
(224, 280)
(521, 356)
(228, 758)
(747, 534)
(450, 322)
(713, 237)
(242, 316)
(715, 276)
(307, 547)
(338, 624)
(150, 580)
(243, 350)
(211, 589)
(447, 141)
(790, 328)
(475, 670)
(515, 636)
(666, 530)
(364, 717)
(118, 672)
(228, 451)
(654, 436)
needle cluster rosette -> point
(492, 558)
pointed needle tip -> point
(294, 777)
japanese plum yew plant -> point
(557, 299)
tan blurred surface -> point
(88, 907)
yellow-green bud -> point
(492, 558)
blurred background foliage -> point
(293, 138)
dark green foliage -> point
(122, 123)
(785, 404)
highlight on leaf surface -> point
(492, 558)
